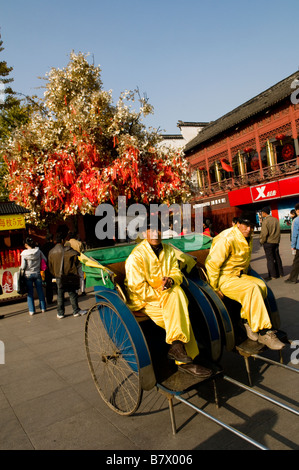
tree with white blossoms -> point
(79, 150)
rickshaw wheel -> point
(112, 359)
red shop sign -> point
(265, 191)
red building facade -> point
(249, 158)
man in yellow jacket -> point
(227, 266)
(152, 282)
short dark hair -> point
(30, 242)
(247, 218)
(59, 238)
(297, 206)
(266, 209)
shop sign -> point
(7, 284)
(12, 222)
(265, 191)
(222, 201)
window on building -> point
(285, 151)
(236, 164)
(253, 163)
(264, 157)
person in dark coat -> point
(270, 239)
(63, 265)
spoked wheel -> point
(112, 358)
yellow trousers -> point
(250, 292)
(171, 313)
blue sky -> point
(196, 60)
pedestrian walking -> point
(293, 216)
(270, 239)
(63, 264)
(292, 279)
(31, 266)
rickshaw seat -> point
(119, 270)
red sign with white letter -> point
(265, 191)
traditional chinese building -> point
(249, 157)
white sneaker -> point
(31, 313)
(80, 313)
(270, 339)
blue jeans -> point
(35, 280)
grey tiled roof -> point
(259, 103)
(11, 207)
(172, 136)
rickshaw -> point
(127, 352)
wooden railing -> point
(248, 179)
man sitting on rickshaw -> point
(153, 279)
(227, 266)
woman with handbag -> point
(31, 266)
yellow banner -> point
(12, 222)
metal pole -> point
(220, 423)
(261, 395)
(172, 418)
(275, 363)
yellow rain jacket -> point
(229, 255)
(227, 266)
(168, 308)
(144, 273)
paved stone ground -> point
(48, 399)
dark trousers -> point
(295, 268)
(60, 299)
(274, 263)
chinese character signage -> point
(12, 222)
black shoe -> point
(268, 278)
(178, 353)
(288, 281)
(196, 370)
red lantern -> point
(248, 149)
(280, 137)
(254, 163)
(287, 152)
